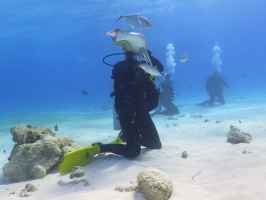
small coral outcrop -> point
(236, 136)
(155, 184)
(29, 188)
(77, 172)
(36, 152)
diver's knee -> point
(134, 152)
(134, 155)
(157, 146)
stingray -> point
(131, 41)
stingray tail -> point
(119, 18)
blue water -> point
(51, 50)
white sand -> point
(214, 169)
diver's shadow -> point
(145, 150)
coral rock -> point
(37, 151)
(28, 134)
(29, 188)
(155, 184)
(184, 154)
(235, 136)
(73, 182)
(77, 172)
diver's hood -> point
(131, 41)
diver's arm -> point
(224, 82)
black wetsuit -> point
(215, 85)
(135, 97)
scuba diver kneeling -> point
(135, 96)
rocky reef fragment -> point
(36, 152)
(155, 184)
(235, 136)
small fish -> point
(151, 70)
(184, 58)
(56, 127)
(137, 21)
(84, 92)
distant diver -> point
(214, 86)
(167, 96)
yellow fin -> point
(83, 155)
(78, 157)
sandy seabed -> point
(213, 170)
